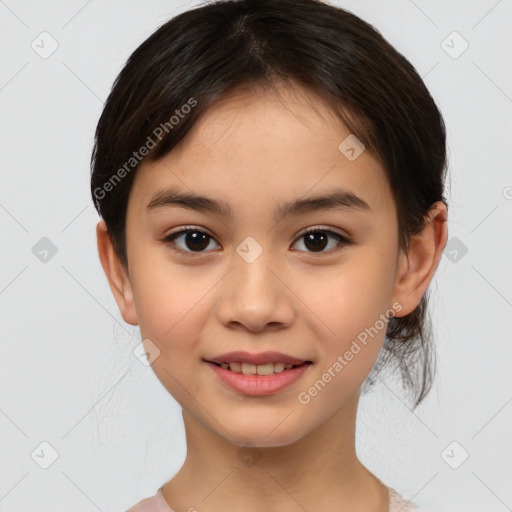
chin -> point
(265, 434)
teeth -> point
(259, 369)
(248, 369)
(265, 369)
(279, 367)
(235, 367)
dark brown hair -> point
(197, 57)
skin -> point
(255, 151)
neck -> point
(319, 472)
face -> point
(252, 280)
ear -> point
(417, 266)
(116, 274)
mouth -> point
(258, 369)
(258, 379)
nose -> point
(255, 296)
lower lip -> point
(258, 385)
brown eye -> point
(317, 239)
(192, 240)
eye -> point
(316, 239)
(192, 238)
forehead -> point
(256, 146)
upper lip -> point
(253, 358)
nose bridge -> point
(253, 295)
(252, 273)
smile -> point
(256, 369)
(257, 380)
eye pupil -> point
(198, 238)
(197, 241)
(317, 240)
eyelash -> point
(169, 240)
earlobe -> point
(416, 268)
(116, 274)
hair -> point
(200, 55)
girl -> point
(270, 177)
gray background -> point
(68, 376)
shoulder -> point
(156, 503)
(397, 503)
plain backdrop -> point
(72, 394)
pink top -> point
(157, 503)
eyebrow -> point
(339, 199)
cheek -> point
(352, 303)
(172, 307)
(351, 306)
(352, 296)
(167, 296)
